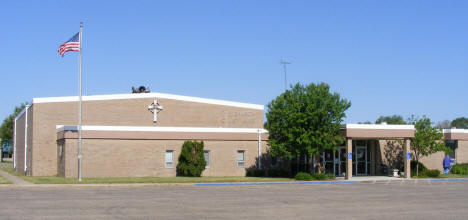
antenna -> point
(284, 63)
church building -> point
(133, 135)
(141, 134)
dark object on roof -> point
(140, 89)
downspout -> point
(259, 149)
(26, 139)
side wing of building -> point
(23, 140)
(129, 110)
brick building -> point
(142, 134)
(125, 135)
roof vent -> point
(140, 89)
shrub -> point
(460, 169)
(277, 172)
(253, 172)
(330, 176)
(431, 173)
(320, 176)
(191, 159)
(303, 176)
(421, 168)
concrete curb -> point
(272, 183)
(127, 185)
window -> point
(169, 162)
(240, 159)
(206, 154)
(453, 145)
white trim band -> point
(148, 95)
(379, 126)
(21, 113)
(458, 131)
(160, 129)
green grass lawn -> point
(453, 176)
(110, 180)
(442, 176)
(3, 180)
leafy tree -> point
(427, 139)
(6, 129)
(191, 159)
(305, 120)
(393, 120)
(444, 124)
(461, 122)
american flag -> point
(71, 45)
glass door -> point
(361, 160)
(327, 161)
(340, 161)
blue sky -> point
(387, 57)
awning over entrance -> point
(356, 156)
(456, 134)
(378, 131)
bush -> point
(253, 172)
(320, 176)
(421, 168)
(431, 173)
(277, 172)
(460, 169)
(330, 176)
(303, 176)
(191, 159)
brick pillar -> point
(349, 159)
(407, 159)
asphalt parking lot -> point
(364, 200)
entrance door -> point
(361, 160)
(327, 161)
(340, 161)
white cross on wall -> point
(155, 108)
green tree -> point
(6, 129)
(393, 120)
(461, 122)
(191, 159)
(444, 124)
(427, 139)
(305, 120)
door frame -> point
(365, 161)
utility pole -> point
(284, 63)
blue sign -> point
(408, 156)
(350, 156)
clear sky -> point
(387, 57)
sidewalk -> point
(15, 180)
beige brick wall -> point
(19, 154)
(462, 152)
(391, 154)
(389, 149)
(139, 158)
(434, 161)
(128, 112)
(30, 139)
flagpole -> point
(80, 108)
